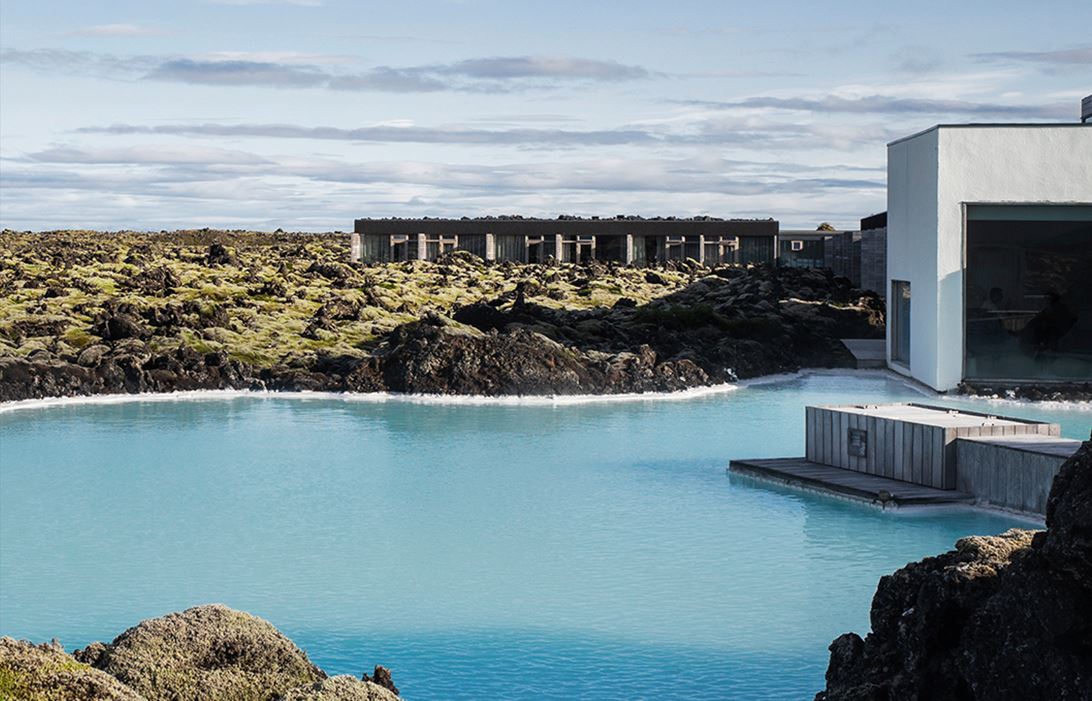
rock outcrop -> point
(206, 653)
(180, 312)
(45, 672)
(340, 688)
(998, 618)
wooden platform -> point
(848, 483)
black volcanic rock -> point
(999, 618)
(460, 326)
(435, 356)
(115, 327)
(381, 676)
(218, 254)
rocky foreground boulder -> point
(35, 672)
(206, 653)
(998, 618)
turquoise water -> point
(590, 551)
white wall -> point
(931, 176)
(911, 235)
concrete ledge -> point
(1012, 472)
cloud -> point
(147, 155)
(168, 171)
(392, 134)
(721, 130)
(387, 79)
(163, 186)
(237, 73)
(79, 62)
(296, 70)
(559, 67)
(1081, 56)
(285, 57)
(118, 30)
(883, 104)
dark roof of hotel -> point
(567, 224)
(874, 221)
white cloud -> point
(300, 70)
(119, 30)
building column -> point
(559, 249)
(701, 248)
(490, 247)
(629, 249)
(356, 248)
(422, 247)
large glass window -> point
(900, 322)
(1028, 293)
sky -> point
(306, 114)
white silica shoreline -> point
(516, 400)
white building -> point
(989, 254)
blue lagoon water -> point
(588, 551)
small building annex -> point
(626, 240)
(989, 254)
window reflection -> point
(1029, 293)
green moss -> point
(79, 338)
(253, 357)
(12, 685)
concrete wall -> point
(931, 177)
(911, 246)
(1008, 477)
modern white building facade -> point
(989, 254)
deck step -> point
(867, 352)
(848, 483)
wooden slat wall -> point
(374, 249)
(911, 452)
(473, 243)
(510, 247)
(1006, 477)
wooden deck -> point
(848, 483)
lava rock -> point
(340, 688)
(31, 672)
(206, 653)
(382, 676)
(114, 327)
(998, 618)
(218, 254)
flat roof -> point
(930, 415)
(805, 233)
(541, 227)
(992, 125)
(1032, 443)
